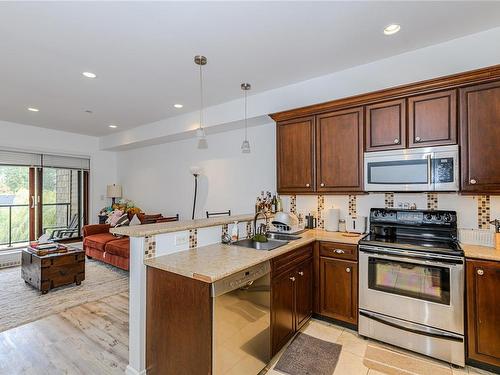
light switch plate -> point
(181, 239)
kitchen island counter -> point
(214, 262)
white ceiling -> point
(143, 52)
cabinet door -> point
(386, 125)
(339, 151)
(432, 119)
(483, 314)
(480, 137)
(282, 309)
(339, 289)
(303, 293)
(295, 155)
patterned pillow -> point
(122, 221)
(113, 218)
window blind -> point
(67, 162)
(29, 159)
(20, 158)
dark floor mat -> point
(309, 355)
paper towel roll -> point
(332, 217)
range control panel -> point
(413, 217)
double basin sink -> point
(274, 240)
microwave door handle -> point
(430, 176)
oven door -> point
(419, 288)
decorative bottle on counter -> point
(279, 204)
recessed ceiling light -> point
(113, 126)
(178, 105)
(392, 29)
(33, 109)
(89, 74)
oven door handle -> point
(414, 259)
(409, 327)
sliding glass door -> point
(41, 195)
(15, 205)
(62, 203)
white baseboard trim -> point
(132, 371)
(10, 258)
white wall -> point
(458, 55)
(157, 177)
(103, 163)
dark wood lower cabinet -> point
(178, 330)
(304, 293)
(338, 289)
(291, 295)
(483, 311)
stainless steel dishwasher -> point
(242, 321)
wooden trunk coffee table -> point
(51, 271)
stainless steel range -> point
(411, 282)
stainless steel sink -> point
(274, 240)
(269, 245)
(282, 236)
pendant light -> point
(245, 146)
(200, 132)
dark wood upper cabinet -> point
(483, 314)
(432, 119)
(386, 125)
(295, 155)
(304, 293)
(338, 285)
(480, 137)
(339, 151)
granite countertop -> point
(214, 262)
(177, 226)
(480, 252)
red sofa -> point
(99, 244)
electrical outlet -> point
(181, 239)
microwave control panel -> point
(443, 170)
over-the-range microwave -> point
(419, 169)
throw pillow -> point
(122, 221)
(135, 221)
(115, 215)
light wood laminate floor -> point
(91, 338)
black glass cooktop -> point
(413, 243)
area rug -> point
(20, 303)
(309, 355)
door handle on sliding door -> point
(32, 201)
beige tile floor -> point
(362, 356)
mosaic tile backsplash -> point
(474, 212)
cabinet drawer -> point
(338, 250)
(288, 260)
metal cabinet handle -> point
(301, 273)
(307, 185)
(480, 272)
(292, 278)
(322, 184)
(396, 141)
(473, 181)
(339, 251)
(348, 269)
(417, 139)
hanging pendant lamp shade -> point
(200, 132)
(245, 146)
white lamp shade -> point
(114, 191)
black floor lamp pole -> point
(195, 191)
